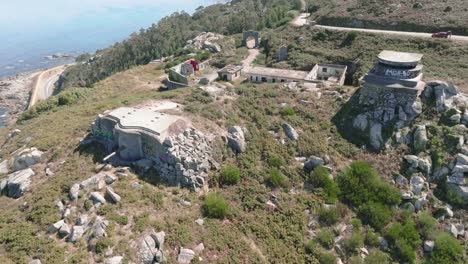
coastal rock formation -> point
(15, 184)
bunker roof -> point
(231, 68)
(396, 58)
(278, 73)
(153, 122)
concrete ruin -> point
(387, 101)
(322, 75)
(230, 72)
(254, 35)
(168, 143)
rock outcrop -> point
(205, 41)
(150, 248)
(26, 158)
(290, 132)
(236, 139)
(15, 184)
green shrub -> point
(88, 204)
(275, 161)
(325, 238)
(103, 244)
(404, 239)
(276, 178)
(288, 112)
(372, 239)
(329, 216)
(311, 247)
(215, 206)
(230, 175)
(447, 249)
(377, 256)
(325, 257)
(376, 215)
(426, 224)
(355, 242)
(360, 183)
(320, 178)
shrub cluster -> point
(230, 175)
(361, 187)
(215, 206)
(320, 178)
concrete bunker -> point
(168, 143)
(255, 36)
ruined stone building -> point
(230, 72)
(181, 154)
(323, 75)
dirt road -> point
(44, 84)
(390, 32)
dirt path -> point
(301, 20)
(253, 53)
(45, 84)
(390, 32)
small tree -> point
(215, 206)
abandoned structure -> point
(230, 72)
(251, 35)
(396, 70)
(321, 74)
(179, 74)
(179, 153)
(387, 101)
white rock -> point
(82, 220)
(15, 184)
(56, 227)
(114, 197)
(4, 167)
(113, 260)
(185, 256)
(199, 248)
(35, 261)
(200, 221)
(290, 132)
(97, 197)
(64, 230)
(416, 184)
(159, 239)
(76, 233)
(74, 192)
(428, 245)
(26, 158)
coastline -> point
(16, 92)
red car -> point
(447, 34)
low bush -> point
(372, 239)
(325, 238)
(426, 224)
(288, 112)
(276, 178)
(355, 242)
(320, 178)
(230, 175)
(215, 206)
(103, 244)
(447, 249)
(404, 239)
(275, 161)
(376, 215)
(329, 216)
(377, 256)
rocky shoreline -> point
(15, 93)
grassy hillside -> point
(417, 15)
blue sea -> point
(32, 30)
